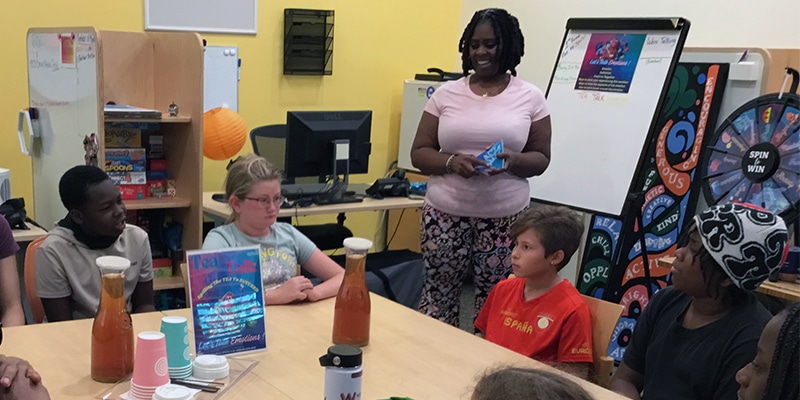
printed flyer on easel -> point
(227, 300)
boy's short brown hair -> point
(558, 227)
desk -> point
(409, 355)
(221, 210)
(782, 289)
(28, 235)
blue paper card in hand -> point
(490, 156)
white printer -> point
(5, 185)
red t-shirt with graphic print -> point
(554, 327)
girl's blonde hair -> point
(243, 173)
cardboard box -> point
(162, 272)
(158, 164)
(157, 186)
(162, 267)
(155, 146)
(158, 175)
(121, 137)
(125, 160)
(128, 178)
(133, 192)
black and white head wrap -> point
(747, 241)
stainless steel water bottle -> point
(342, 372)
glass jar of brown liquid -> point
(351, 312)
(112, 331)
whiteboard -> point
(608, 83)
(221, 77)
(62, 85)
(218, 16)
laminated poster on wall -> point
(227, 300)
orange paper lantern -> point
(224, 133)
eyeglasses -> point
(266, 201)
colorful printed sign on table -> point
(227, 300)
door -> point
(63, 87)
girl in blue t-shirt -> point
(253, 190)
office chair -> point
(269, 141)
(35, 303)
(605, 315)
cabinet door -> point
(62, 85)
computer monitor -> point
(314, 138)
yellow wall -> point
(377, 44)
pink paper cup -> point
(150, 365)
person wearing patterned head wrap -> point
(748, 242)
(695, 335)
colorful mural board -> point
(613, 267)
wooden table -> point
(409, 355)
(221, 210)
(782, 289)
(28, 235)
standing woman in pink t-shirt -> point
(467, 213)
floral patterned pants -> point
(451, 246)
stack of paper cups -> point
(149, 365)
(176, 331)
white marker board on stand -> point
(609, 81)
(63, 86)
(221, 77)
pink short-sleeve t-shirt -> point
(468, 124)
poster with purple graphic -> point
(227, 300)
(610, 62)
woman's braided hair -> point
(506, 29)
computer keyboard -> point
(297, 190)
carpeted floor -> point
(467, 307)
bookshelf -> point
(144, 69)
(152, 70)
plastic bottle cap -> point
(356, 243)
(210, 361)
(113, 263)
(172, 392)
(341, 355)
(209, 366)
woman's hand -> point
(465, 165)
(292, 290)
(509, 160)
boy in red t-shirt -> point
(538, 313)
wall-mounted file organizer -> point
(308, 42)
